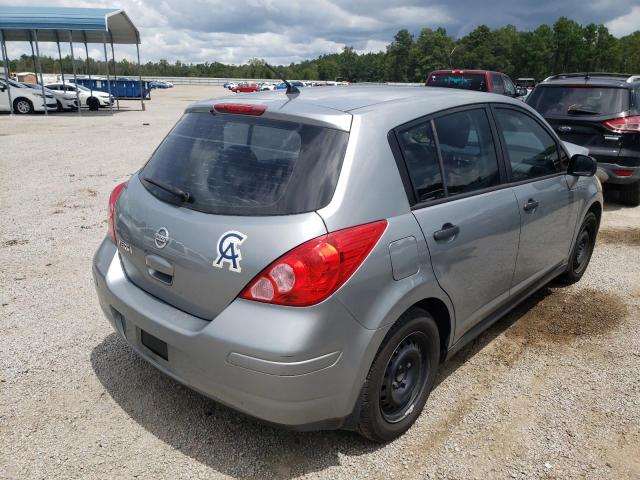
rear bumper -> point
(295, 367)
(614, 178)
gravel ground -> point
(552, 391)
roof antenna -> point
(291, 89)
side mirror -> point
(582, 166)
(521, 92)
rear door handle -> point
(448, 232)
(531, 205)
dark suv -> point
(600, 111)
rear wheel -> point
(582, 250)
(630, 194)
(22, 106)
(401, 377)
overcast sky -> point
(283, 31)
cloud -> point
(232, 31)
(625, 24)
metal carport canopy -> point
(53, 23)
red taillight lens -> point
(314, 270)
(113, 200)
(240, 109)
(624, 124)
(623, 172)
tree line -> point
(565, 46)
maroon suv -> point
(478, 80)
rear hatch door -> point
(253, 185)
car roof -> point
(337, 105)
(594, 79)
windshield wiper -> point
(578, 110)
(185, 196)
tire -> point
(22, 106)
(93, 103)
(582, 250)
(60, 108)
(400, 378)
(630, 194)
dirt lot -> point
(552, 391)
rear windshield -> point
(579, 100)
(241, 165)
(466, 81)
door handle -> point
(448, 232)
(531, 205)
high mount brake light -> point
(312, 271)
(623, 125)
(111, 215)
(240, 109)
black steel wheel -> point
(582, 250)
(400, 378)
(404, 377)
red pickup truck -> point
(478, 80)
(245, 87)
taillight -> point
(113, 200)
(315, 269)
(240, 108)
(624, 124)
(623, 172)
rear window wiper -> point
(185, 196)
(578, 110)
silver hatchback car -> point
(310, 259)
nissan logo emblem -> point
(161, 237)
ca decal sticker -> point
(229, 250)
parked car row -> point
(27, 97)
(244, 87)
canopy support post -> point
(75, 77)
(60, 56)
(86, 50)
(5, 63)
(39, 65)
(106, 63)
(140, 74)
(33, 54)
(115, 75)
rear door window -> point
(498, 83)
(532, 151)
(241, 165)
(579, 100)
(468, 153)
(509, 89)
(421, 157)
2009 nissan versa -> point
(311, 258)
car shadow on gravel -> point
(239, 446)
(224, 440)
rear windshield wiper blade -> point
(578, 110)
(185, 196)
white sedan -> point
(65, 100)
(92, 99)
(24, 99)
